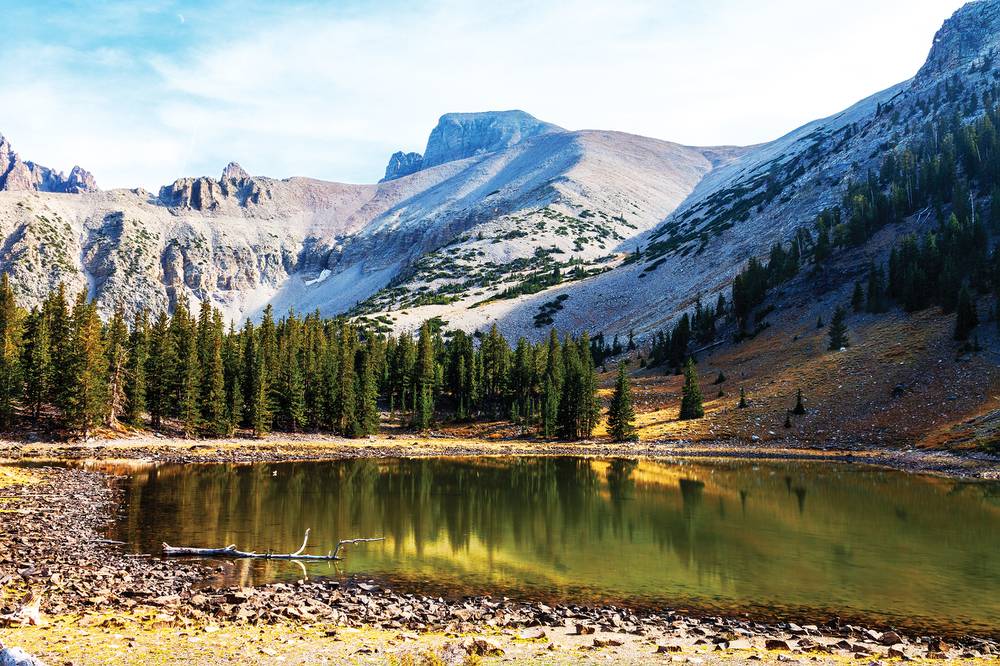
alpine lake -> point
(791, 539)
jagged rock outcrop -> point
(969, 39)
(461, 135)
(17, 175)
(458, 136)
(234, 171)
(402, 164)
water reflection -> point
(910, 550)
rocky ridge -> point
(19, 175)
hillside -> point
(499, 199)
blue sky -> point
(141, 93)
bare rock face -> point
(461, 135)
(402, 164)
(235, 172)
(970, 38)
(17, 175)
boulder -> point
(18, 657)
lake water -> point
(795, 539)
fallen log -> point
(232, 551)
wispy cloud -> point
(143, 95)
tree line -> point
(62, 365)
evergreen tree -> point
(423, 411)
(800, 408)
(858, 298)
(838, 330)
(86, 396)
(621, 414)
(214, 407)
(159, 366)
(116, 347)
(256, 401)
(743, 404)
(10, 354)
(36, 362)
(135, 375)
(367, 394)
(691, 407)
(233, 371)
(346, 402)
(552, 386)
(966, 318)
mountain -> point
(774, 190)
(499, 200)
(18, 175)
(461, 135)
(503, 218)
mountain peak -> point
(234, 171)
(17, 174)
(970, 37)
(461, 135)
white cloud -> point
(330, 93)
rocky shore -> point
(55, 562)
(309, 446)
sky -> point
(142, 93)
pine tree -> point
(800, 408)
(214, 409)
(621, 414)
(367, 394)
(838, 330)
(10, 354)
(61, 330)
(858, 299)
(36, 362)
(966, 317)
(720, 378)
(232, 364)
(788, 419)
(86, 396)
(159, 367)
(423, 411)
(552, 386)
(346, 401)
(691, 407)
(186, 380)
(116, 348)
(135, 376)
(743, 399)
(256, 402)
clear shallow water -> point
(805, 540)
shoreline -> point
(310, 447)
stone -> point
(17, 657)
(778, 644)
(890, 638)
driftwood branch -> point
(232, 551)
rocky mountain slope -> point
(499, 199)
(503, 218)
(773, 190)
